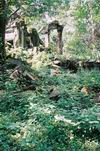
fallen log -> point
(91, 65)
(74, 65)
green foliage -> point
(34, 7)
(10, 85)
(91, 79)
(32, 121)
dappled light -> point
(49, 75)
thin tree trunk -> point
(92, 26)
(2, 35)
(60, 43)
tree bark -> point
(2, 42)
(60, 43)
(92, 26)
(2, 34)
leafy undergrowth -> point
(68, 120)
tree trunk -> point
(2, 36)
(2, 32)
(60, 44)
(92, 26)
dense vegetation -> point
(51, 101)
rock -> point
(24, 78)
(97, 98)
(1, 92)
(12, 63)
(85, 90)
(54, 94)
(55, 72)
(57, 62)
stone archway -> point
(54, 25)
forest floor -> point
(61, 112)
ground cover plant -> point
(62, 113)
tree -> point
(2, 33)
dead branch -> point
(13, 13)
